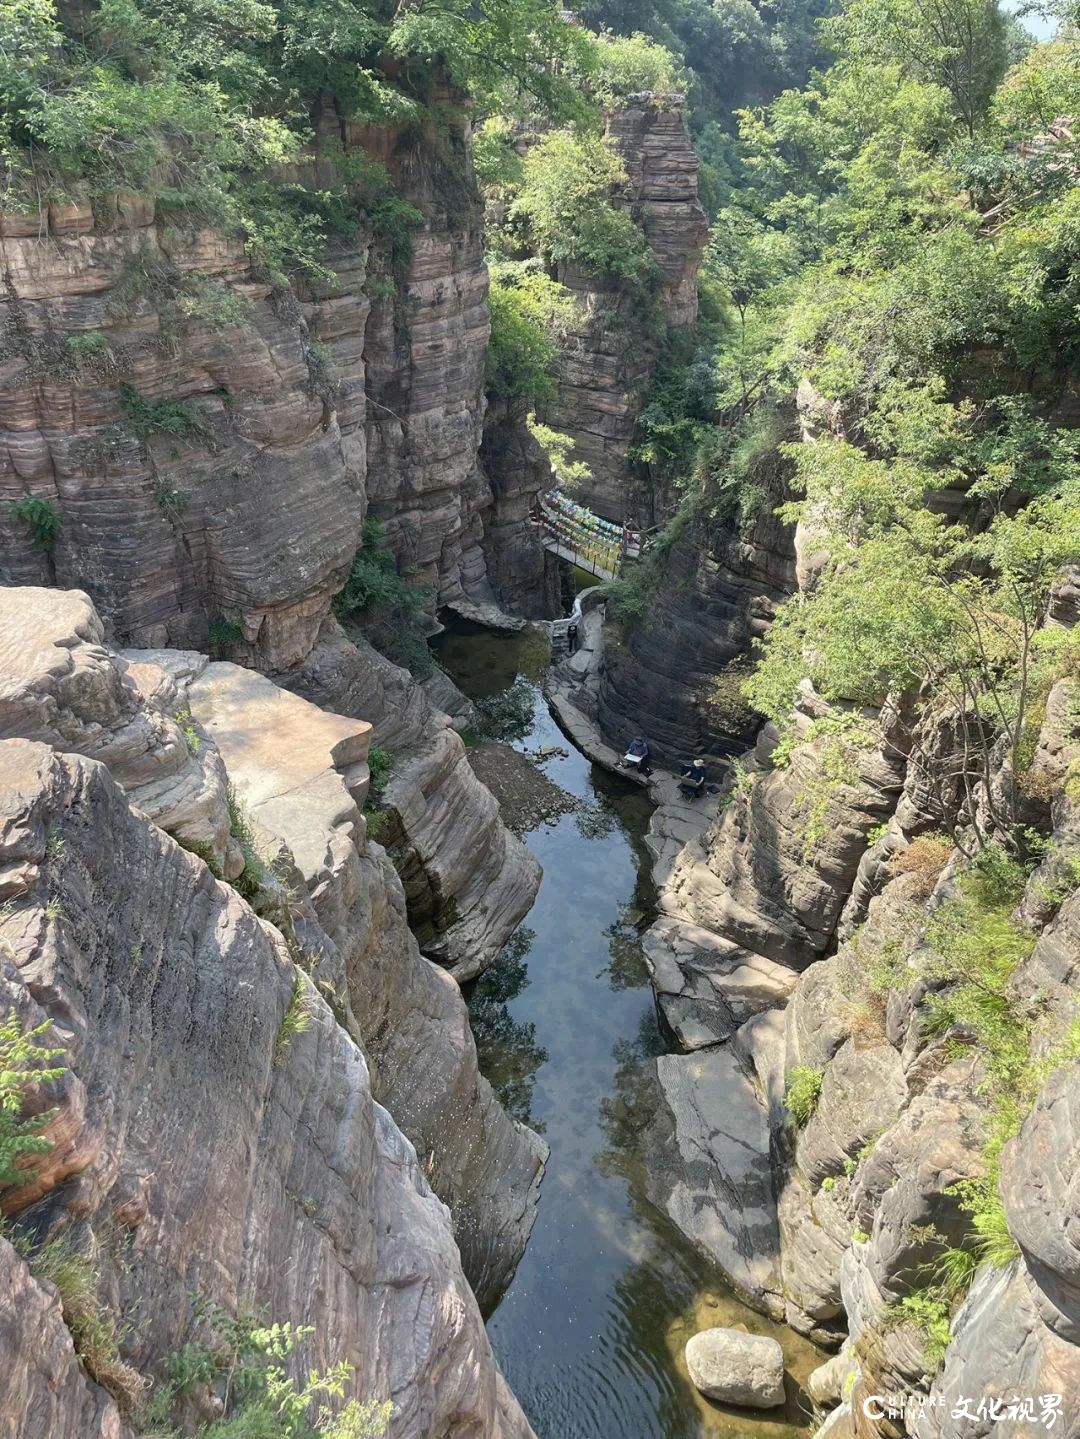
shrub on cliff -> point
(529, 313)
(247, 1364)
(910, 603)
(802, 1091)
(566, 206)
(24, 1063)
(624, 65)
(631, 595)
(205, 108)
(95, 1334)
(389, 610)
(374, 581)
(41, 518)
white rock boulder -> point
(737, 1368)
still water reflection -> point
(591, 1330)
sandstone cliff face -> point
(212, 447)
(674, 675)
(650, 132)
(868, 1200)
(239, 500)
(862, 1199)
(285, 1185)
(296, 769)
(524, 577)
(748, 902)
(774, 873)
(59, 684)
(608, 358)
(406, 340)
(299, 779)
(212, 442)
(468, 880)
(41, 1375)
(763, 958)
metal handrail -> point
(583, 543)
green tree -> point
(566, 206)
(515, 50)
(392, 612)
(569, 474)
(247, 1364)
(910, 603)
(958, 44)
(206, 109)
(1042, 89)
(736, 52)
(747, 259)
(497, 163)
(24, 1064)
(530, 312)
(623, 65)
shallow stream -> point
(591, 1330)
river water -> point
(591, 1330)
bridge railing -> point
(596, 544)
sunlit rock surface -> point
(287, 1187)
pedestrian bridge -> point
(576, 534)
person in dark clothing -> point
(571, 638)
(693, 779)
(637, 755)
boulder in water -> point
(737, 1368)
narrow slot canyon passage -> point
(591, 1330)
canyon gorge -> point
(378, 1055)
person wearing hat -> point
(692, 782)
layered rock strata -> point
(59, 684)
(524, 577)
(299, 772)
(675, 674)
(160, 397)
(333, 945)
(609, 355)
(775, 873)
(862, 1199)
(209, 443)
(864, 1220)
(468, 880)
(287, 1187)
(405, 329)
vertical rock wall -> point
(198, 473)
(406, 329)
(213, 446)
(211, 443)
(220, 1138)
(608, 358)
(524, 577)
(863, 1206)
(201, 1149)
(300, 772)
(468, 880)
(675, 673)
